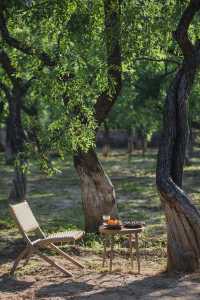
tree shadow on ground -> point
(10, 249)
(10, 284)
(64, 289)
(153, 287)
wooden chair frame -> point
(33, 247)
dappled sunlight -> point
(56, 202)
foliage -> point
(72, 34)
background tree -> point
(14, 129)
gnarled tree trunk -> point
(98, 195)
(183, 219)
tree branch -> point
(172, 61)
(14, 43)
(181, 33)
(113, 38)
(31, 111)
(28, 83)
(7, 66)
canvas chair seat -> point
(61, 237)
(65, 236)
(27, 222)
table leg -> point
(131, 249)
(104, 251)
(111, 251)
(137, 251)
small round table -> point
(105, 233)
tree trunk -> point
(16, 141)
(15, 133)
(98, 195)
(131, 135)
(144, 143)
(18, 189)
(106, 140)
(9, 155)
(183, 219)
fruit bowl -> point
(113, 224)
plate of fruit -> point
(113, 223)
(134, 224)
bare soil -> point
(40, 281)
(56, 202)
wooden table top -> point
(123, 230)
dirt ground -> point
(94, 283)
(56, 202)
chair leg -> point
(59, 251)
(28, 256)
(20, 256)
(51, 262)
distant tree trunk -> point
(2, 138)
(106, 140)
(191, 143)
(144, 142)
(18, 190)
(98, 193)
(137, 142)
(189, 148)
(15, 133)
(15, 95)
(9, 156)
(144, 146)
(131, 136)
(182, 217)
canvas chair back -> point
(24, 217)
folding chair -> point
(27, 223)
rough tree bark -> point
(98, 194)
(182, 218)
(97, 190)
